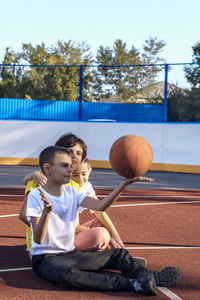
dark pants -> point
(77, 269)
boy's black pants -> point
(77, 269)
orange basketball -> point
(131, 156)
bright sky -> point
(101, 22)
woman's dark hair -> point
(70, 140)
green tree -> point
(184, 105)
(57, 83)
(150, 55)
(11, 76)
(40, 82)
(192, 72)
(125, 81)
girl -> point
(99, 233)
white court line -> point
(162, 247)
(127, 205)
(15, 269)
(169, 293)
(130, 196)
(134, 196)
(160, 203)
(11, 195)
(5, 216)
(155, 196)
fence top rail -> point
(96, 66)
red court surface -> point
(160, 225)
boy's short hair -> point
(70, 140)
(47, 155)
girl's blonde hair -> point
(87, 162)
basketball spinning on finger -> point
(131, 156)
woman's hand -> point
(80, 228)
(116, 244)
(39, 178)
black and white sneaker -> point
(145, 285)
(167, 277)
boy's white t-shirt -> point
(62, 221)
(88, 190)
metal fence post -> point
(165, 94)
(80, 92)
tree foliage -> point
(185, 106)
(192, 72)
(62, 83)
(39, 82)
(125, 81)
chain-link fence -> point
(183, 97)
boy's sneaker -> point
(140, 261)
(145, 285)
(167, 277)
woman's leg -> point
(102, 234)
(93, 239)
(93, 223)
(98, 240)
(30, 255)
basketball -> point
(130, 156)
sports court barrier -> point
(22, 109)
(171, 103)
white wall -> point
(171, 143)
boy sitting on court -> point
(51, 211)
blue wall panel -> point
(22, 109)
(123, 112)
